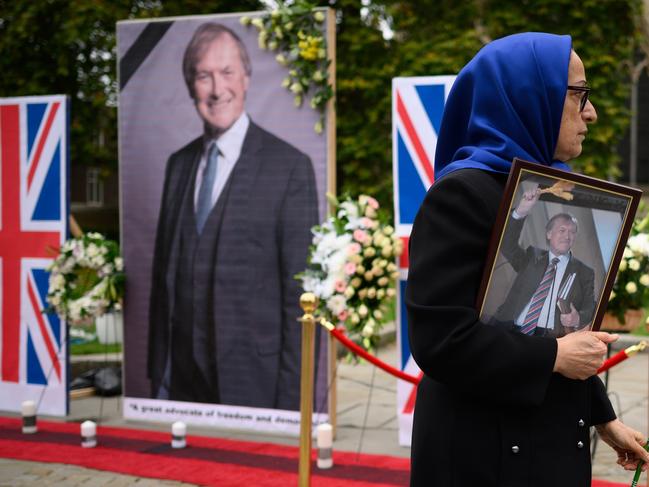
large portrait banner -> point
(221, 179)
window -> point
(94, 187)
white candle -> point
(324, 441)
(88, 434)
(178, 435)
(28, 409)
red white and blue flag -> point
(33, 224)
(417, 107)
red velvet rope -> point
(340, 336)
(621, 356)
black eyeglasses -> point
(585, 90)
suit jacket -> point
(530, 264)
(489, 409)
(263, 242)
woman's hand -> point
(627, 442)
(580, 354)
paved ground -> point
(628, 388)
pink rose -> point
(340, 286)
(350, 268)
(342, 316)
(360, 235)
(354, 248)
(372, 202)
(366, 222)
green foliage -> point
(68, 47)
(62, 46)
(437, 37)
(94, 347)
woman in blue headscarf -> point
(497, 407)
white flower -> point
(368, 330)
(92, 250)
(119, 264)
(362, 311)
(56, 282)
(319, 16)
(347, 208)
(631, 287)
(644, 279)
(634, 265)
(623, 265)
(281, 59)
(639, 244)
(336, 304)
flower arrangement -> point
(631, 288)
(86, 279)
(295, 32)
(351, 268)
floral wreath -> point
(295, 31)
(351, 268)
(631, 288)
(86, 279)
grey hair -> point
(203, 36)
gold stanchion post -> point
(309, 303)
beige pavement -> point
(369, 427)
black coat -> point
(489, 409)
(530, 265)
(263, 242)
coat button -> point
(515, 449)
(580, 444)
(581, 422)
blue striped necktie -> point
(538, 299)
(204, 204)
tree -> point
(436, 37)
(68, 47)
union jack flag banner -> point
(417, 107)
(33, 224)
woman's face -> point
(574, 124)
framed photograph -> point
(555, 251)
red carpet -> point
(206, 461)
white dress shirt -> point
(229, 143)
(546, 319)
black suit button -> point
(515, 449)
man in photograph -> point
(233, 230)
(553, 292)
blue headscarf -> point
(506, 102)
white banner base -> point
(218, 415)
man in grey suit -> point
(553, 292)
(233, 230)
